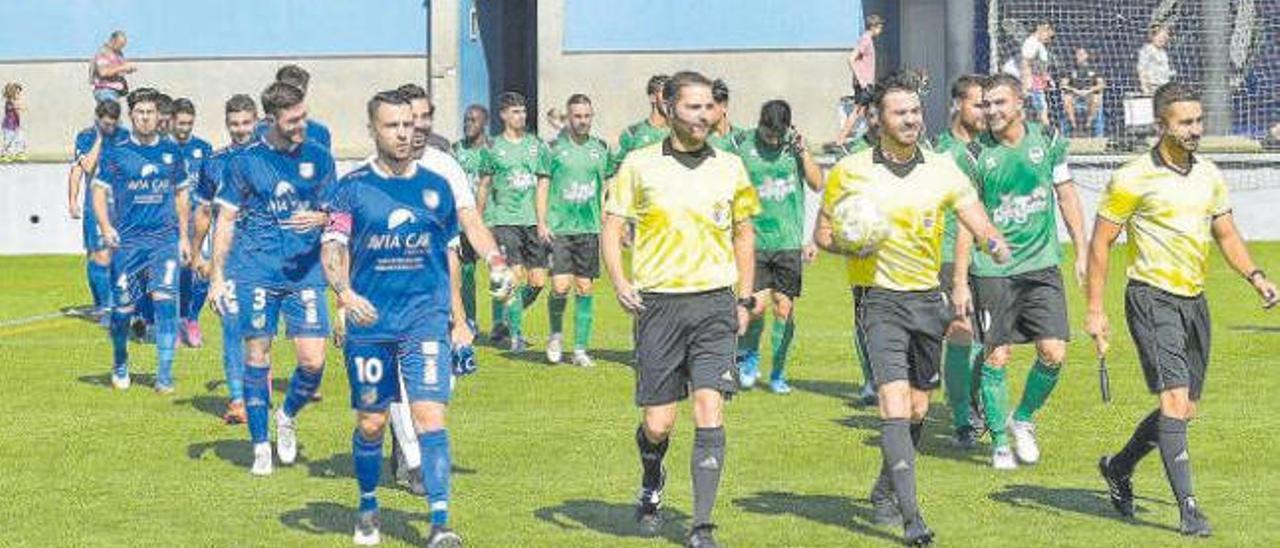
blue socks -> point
(99, 284)
(302, 386)
(257, 401)
(367, 455)
(120, 341)
(195, 299)
(436, 468)
(233, 356)
(166, 339)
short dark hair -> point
(966, 82)
(578, 99)
(107, 109)
(1173, 92)
(476, 108)
(1003, 79)
(279, 96)
(656, 83)
(510, 99)
(241, 103)
(164, 103)
(182, 105)
(412, 91)
(681, 80)
(901, 80)
(144, 95)
(873, 20)
(388, 97)
(1044, 23)
(720, 91)
(294, 75)
(775, 116)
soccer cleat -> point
(1002, 459)
(779, 387)
(1024, 440)
(317, 396)
(884, 509)
(519, 345)
(286, 437)
(235, 413)
(443, 537)
(702, 536)
(581, 359)
(368, 529)
(1119, 488)
(262, 463)
(120, 378)
(917, 533)
(748, 369)
(137, 329)
(1194, 522)
(555, 347)
(649, 508)
(965, 437)
(500, 335)
(164, 389)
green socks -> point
(1040, 383)
(498, 309)
(555, 308)
(783, 332)
(515, 310)
(583, 314)
(469, 290)
(995, 398)
(958, 369)
(750, 342)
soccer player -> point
(650, 130)
(899, 307)
(692, 207)
(386, 258)
(272, 206)
(1020, 169)
(723, 133)
(780, 167)
(90, 142)
(511, 168)
(241, 115)
(164, 106)
(968, 120)
(298, 77)
(193, 287)
(1173, 204)
(467, 152)
(140, 199)
(568, 207)
(424, 115)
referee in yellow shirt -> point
(692, 207)
(900, 310)
(1174, 204)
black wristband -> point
(1256, 272)
(748, 302)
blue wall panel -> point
(59, 29)
(683, 25)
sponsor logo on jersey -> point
(720, 213)
(1036, 155)
(579, 192)
(400, 217)
(166, 158)
(149, 170)
(283, 188)
(306, 170)
(523, 180)
(431, 199)
(197, 154)
(776, 189)
(1018, 209)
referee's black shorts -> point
(902, 334)
(1172, 335)
(685, 342)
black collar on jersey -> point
(1158, 160)
(899, 170)
(691, 159)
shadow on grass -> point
(1256, 328)
(341, 465)
(329, 518)
(618, 520)
(937, 435)
(855, 516)
(104, 379)
(841, 390)
(1088, 502)
(236, 452)
(210, 405)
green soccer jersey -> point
(469, 159)
(948, 144)
(729, 140)
(638, 135)
(776, 175)
(515, 167)
(1016, 185)
(578, 172)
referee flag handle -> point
(1104, 377)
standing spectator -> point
(14, 147)
(1034, 69)
(1083, 83)
(1154, 69)
(862, 64)
(106, 72)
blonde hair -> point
(11, 91)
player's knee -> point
(428, 416)
(659, 422)
(560, 287)
(998, 356)
(584, 286)
(371, 425)
(959, 333)
(1177, 403)
(707, 405)
(919, 405)
(782, 306)
(895, 400)
(1052, 354)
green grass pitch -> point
(544, 456)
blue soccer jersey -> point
(398, 230)
(143, 181)
(195, 152)
(83, 145)
(266, 186)
(316, 132)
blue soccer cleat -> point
(748, 369)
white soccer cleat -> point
(1002, 459)
(555, 347)
(262, 465)
(367, 529)
(286, 437)
(120, 382)
(581, 359)
(1024, 440)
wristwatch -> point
(1256, 273)
(748, 302)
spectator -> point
(1033, 69)
(1154, 69)
(862, 65)
(13, 148)
(1083, 84)
(107, 71)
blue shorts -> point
(380, 372)
(139, 270)
(306, 311)
(92, 234)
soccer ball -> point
(858, 225)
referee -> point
(692, 207)
(1174, 204)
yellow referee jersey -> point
(1168, 215)
(914, 197)
(684, 217)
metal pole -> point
(430, 86)
(1216, 59)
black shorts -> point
(1023, 308)
(521, 246)
(901, 333)
(685, 342)
(1172, 336)
(779, 271)
(576, 254)
(466, 252)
